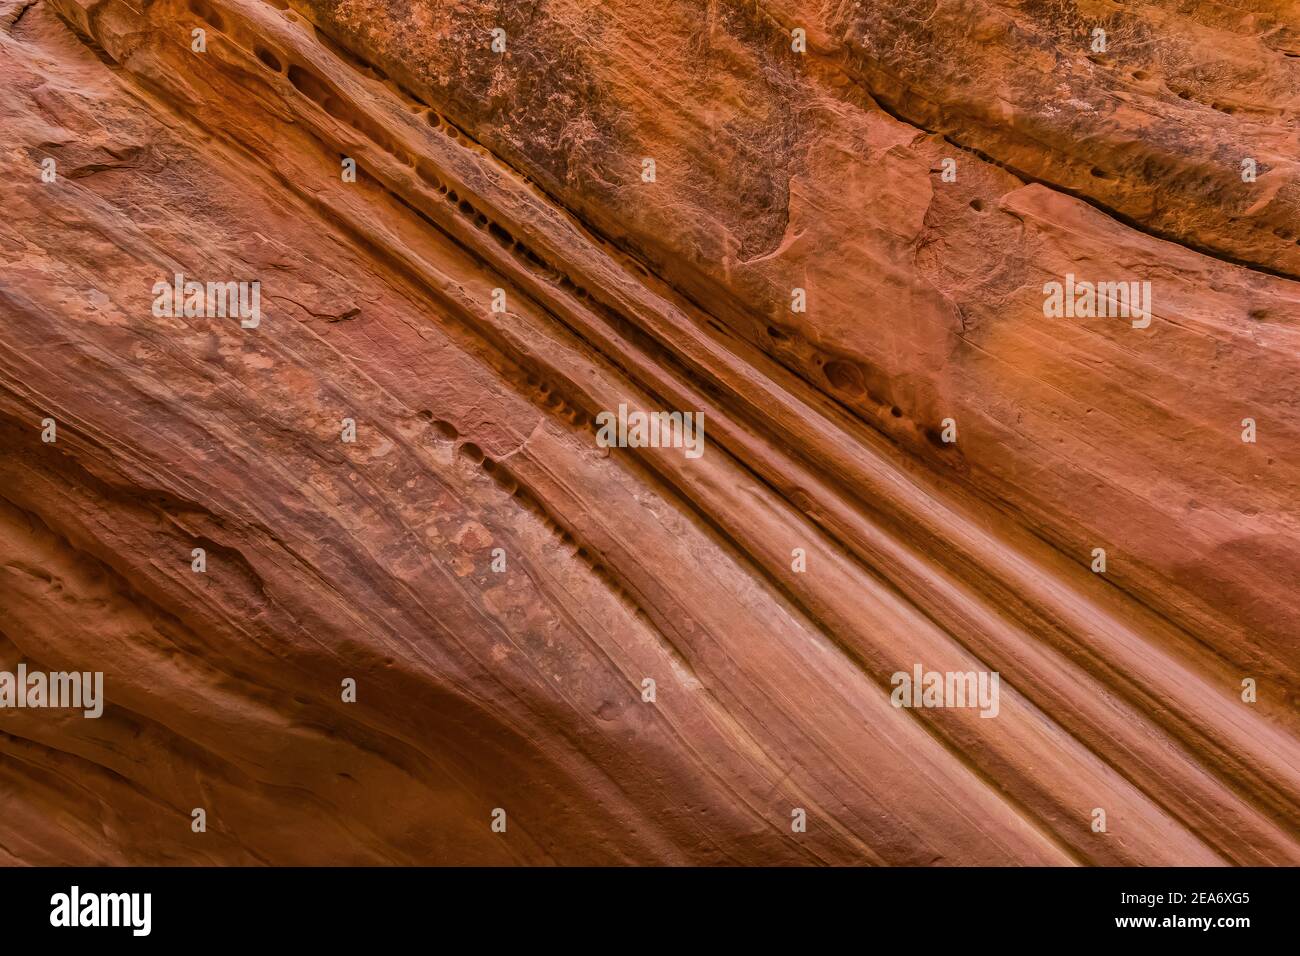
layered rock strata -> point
(917, 468)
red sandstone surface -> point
(915, 469)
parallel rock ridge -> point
(332, 334)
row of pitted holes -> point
(510, 484)
(1183, 94)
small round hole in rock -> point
(268, 58)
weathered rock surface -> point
(522, 689)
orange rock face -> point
(328, 328)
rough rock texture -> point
(522, 689)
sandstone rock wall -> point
(500, 586)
